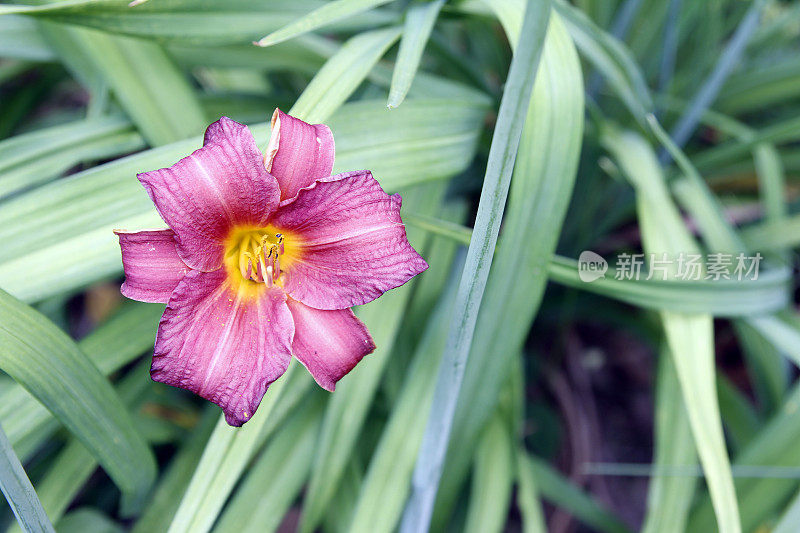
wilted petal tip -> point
(298, 153)
(396, 198)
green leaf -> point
(540, 192)
(610, 57)
(20, 39)
(728, 59)
(342, 74)
(428, 139)
(86, 519)
(19, 492)
(154, 93)
(48, 363)
(669, 497)
(70, 470)
(790, 519)
(562, 493)
(505, 140)
(420, 19)
(348, 408)
(337, 516)
(74, 464)
(528, 496)
(157, 97)
(782, 332)
(766, 366)
(38, 157)
(775, 448)
(111, 346)
(760, 86)
(771, 236)
(28, 147)
(225, 457)
(30, 10)
(178, 474)
(326, 14)
(197, 23)
(690, 336)
(738, 413)
(718, 233)
(723, 298)
(387, 481)
(275, 479)
(493, 477)
(304, 55)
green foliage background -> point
(509, 168)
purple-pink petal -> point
(352, 244)
(328, 343)
(223, 344)
(298, 153)
(221, 185)
(152, 266)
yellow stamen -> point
(256, 255)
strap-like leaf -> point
(45, 361)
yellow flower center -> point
(255, 254)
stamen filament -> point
(259, 256)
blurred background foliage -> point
(650, 125)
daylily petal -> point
(351, 243)
(225, 345)
(298, 153)
(202, 196)
(152, 266)
(328, 343)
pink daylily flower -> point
(263, 258)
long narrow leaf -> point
(610, 57)
(708, 91)
(347, 410)
(343, 73)
(493, 477)
(228, 452)
(420, 19)
(528, 496)
(49, 364)
(513, 108)
(669, 497)
(388, 478)
(276, 477)
(190, 22)
(19, 492)
(111, 346)
(690, 337)
(326, 14)
(725, 298)
(541, 188)
(562, 493)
